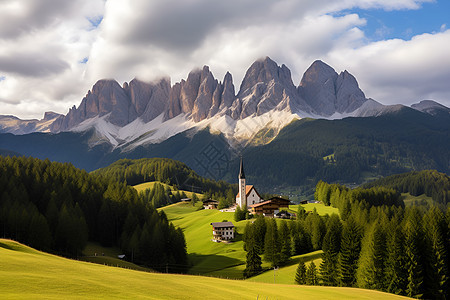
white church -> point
(247, 194)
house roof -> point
(280, 200)
(222, 224)
(262, 203)
(210, 201)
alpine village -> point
(154, 201)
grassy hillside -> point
(220, 259)
(149, 185)
(286, 274)
(411, 200)
(29, 274)
(320, 208)
(95, 253)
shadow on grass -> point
(212, 263)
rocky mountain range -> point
(140, 112)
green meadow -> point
(227, 260)
(149, 185)
(411, 200)
(26, 273)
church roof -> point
(248, 189)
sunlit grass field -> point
(29, 274)
(149, 185)
(226, 260)
(411, 200)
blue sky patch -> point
(2, 78)
(95, 21)
(404, 24)
(84, 60)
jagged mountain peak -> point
(156, 110)
(265, 70)
(328, 92)
(319, 72)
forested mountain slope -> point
(351, 149)
(428, 182)
(58, 208)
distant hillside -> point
(428, 182)
(165, 170)
(9, 153)
(351, 150)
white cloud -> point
(398, 71)
(43, 44)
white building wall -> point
(253, 198)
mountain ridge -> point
(267, 99)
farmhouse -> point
(210, 204)
(223, 231)
(247, 194)
(270, 207)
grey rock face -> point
(107, 97)
(149, 100)
(267, 86)
(327, 92)
(431, 107)
(204, 100)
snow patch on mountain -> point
(138, 133)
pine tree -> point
(285, 241)
(436, 270)
(331, 246)
(253, 262)
(413, 252)
(370, 273)
(271, 244)
(350, 250)
(316, 227)
(395, 270)
(259, 233)
(311, 274)
(300, 275)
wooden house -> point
(210, 204)
(223, 231)
(270, 207)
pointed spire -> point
(241, 171)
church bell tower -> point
(242, 193)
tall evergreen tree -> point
(259, 233)
(271, 244)
(311, 274)
(350, 250)
(370, 273)
(395, 264)
(413, 253)
(331, 246)
(300, 274)
(285, 242)
(436, 270)
(253, 260)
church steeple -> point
(241, 172)
(242, 201)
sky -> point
(53, 51)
